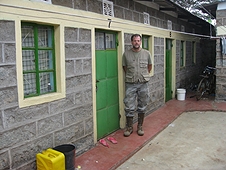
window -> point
(147, 44)
(182, 52)
(38, 59)
(193, 52)
(105, 41)
(40, 63)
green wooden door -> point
(107, 97)
(168, 70)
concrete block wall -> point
(8, 92)
(220, 73)
(24, 132)
(156, 83)
(130, 10)
(190, 74)
(220, 60)
(79, 84)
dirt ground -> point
(194, 141)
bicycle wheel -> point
(201, 88)
(212, 85)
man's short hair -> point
(135, 35)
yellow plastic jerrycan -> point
(50, 160)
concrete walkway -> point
(194, 141)
(103, 158)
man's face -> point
(136, 42)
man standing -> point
(137, 66)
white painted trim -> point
(45, 1)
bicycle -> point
(207, 83)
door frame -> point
(174, 67)
(107, 77)
(120, 50)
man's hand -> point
(124, 68)
(149, 68)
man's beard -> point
(136, 47)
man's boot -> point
(129, 126)
(140, 131)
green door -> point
(168, 70)
(107, 97)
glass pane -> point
(46, 82)
(27, 36)
(28, 59)
(29, 84)
(99, 40)
(145, 42)
(110, 41)
(168, 44)
(44, 36)
(45, 59)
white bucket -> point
(181, 94)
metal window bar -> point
(30, 84)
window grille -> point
(169, 25)
(146, 18)
(182, 28)
(108, 8)
(38, 59)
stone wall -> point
(26, 131)
(220, 60)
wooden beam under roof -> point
(167, 9)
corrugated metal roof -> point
(168, 6)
